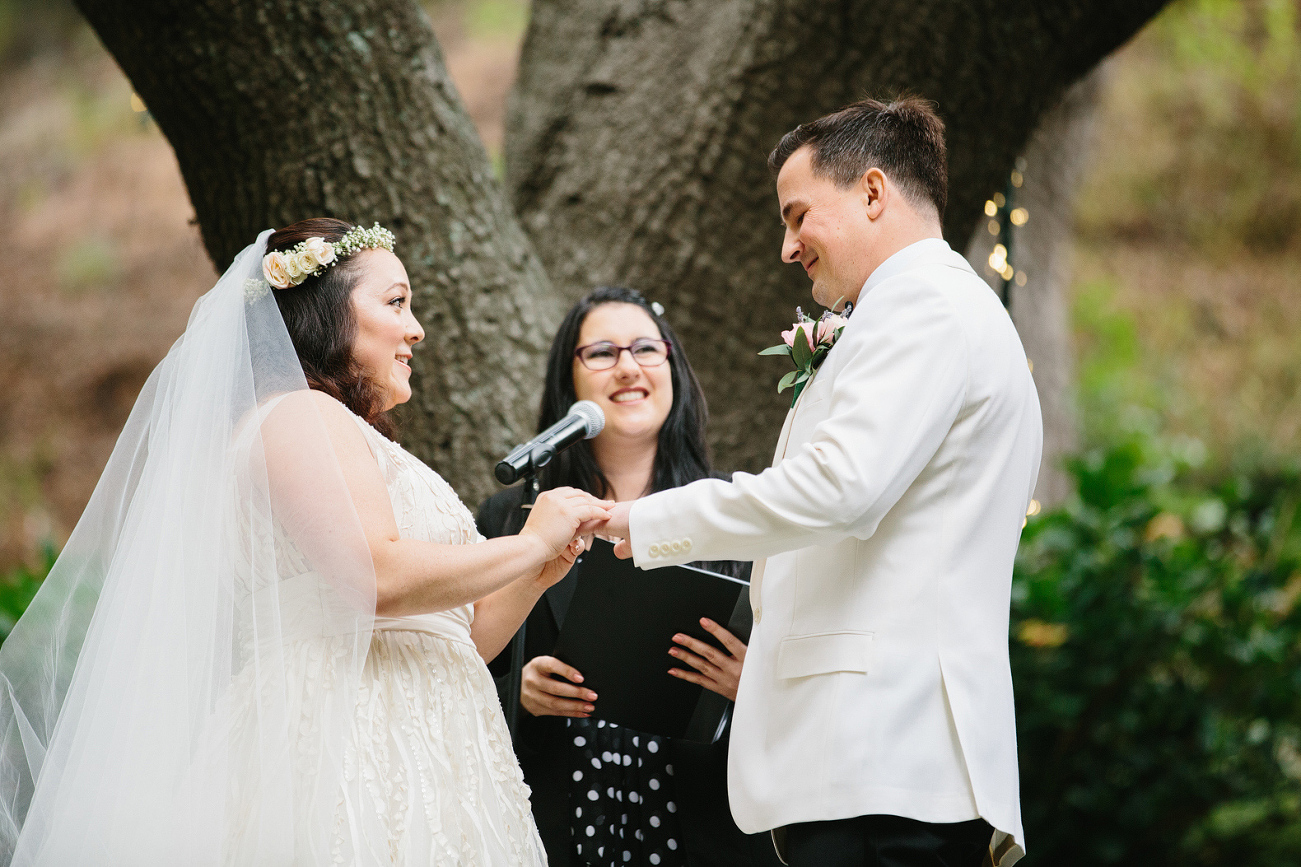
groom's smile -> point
(827, 228)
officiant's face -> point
(827, 230)
(636, 399)
(386, 327)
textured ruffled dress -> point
(428, 763)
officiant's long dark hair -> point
(682, 455)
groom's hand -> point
(617, 526)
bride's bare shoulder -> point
(306, 414)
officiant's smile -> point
(620, 364)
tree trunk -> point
(284, 109)
(1053, 165)
(638, 132)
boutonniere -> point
(807, 344)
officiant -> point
(604, 794)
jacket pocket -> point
(825, 652)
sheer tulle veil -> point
(146, 697)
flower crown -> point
(313, 256)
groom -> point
(874, 719)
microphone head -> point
(591, 414)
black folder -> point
(619, 629)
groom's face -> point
(827, 230)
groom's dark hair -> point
(903, 138)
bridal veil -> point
(153, 697)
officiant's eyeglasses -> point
(605, 355)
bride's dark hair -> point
(318, 315)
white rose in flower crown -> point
(321, 253)
(276, 269)
(306, 263)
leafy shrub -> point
(19, 586)
(1157, 657)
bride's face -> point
(386, 327)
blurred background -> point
(1156, 617)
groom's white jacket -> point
(877, 677)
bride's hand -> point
(559, 567)
(562, 516)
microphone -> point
(583, 421)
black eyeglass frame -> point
(668, 350)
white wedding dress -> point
(428, 749)
(189, 688)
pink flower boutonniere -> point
(807, 344)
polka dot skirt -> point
(621, 796)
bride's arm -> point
(414, 577)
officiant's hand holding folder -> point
(618, 631)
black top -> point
(545, 745)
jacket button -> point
(686, 544)
(676, 546)
(653, 550)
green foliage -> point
(19, 586)
(1157, 657)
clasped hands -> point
(549, 687)
(564, 520)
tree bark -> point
(638, 132)
(283, 109)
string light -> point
(1002, 216)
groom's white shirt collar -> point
(930, 249)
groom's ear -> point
(873, 190)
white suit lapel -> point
(783, 440)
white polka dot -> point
(600, 724)
(591, 832)
(579, 740)
(592, 795)
(627, 760)
(605, 756)
(619, 794)
(579, 848)
(578, 775)
(633, 798)
(640, 763)
(635, 740)
(623, 819)
(654, 784)
(600, 850)
(655, 821)
(672, 844)
(609, 793)
(627, 856)
(596, 763)
(672, 807)
(654, 859)
(578, 812)
(668, 769)
(639, 835)
(652, 746)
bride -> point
(264, 640)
